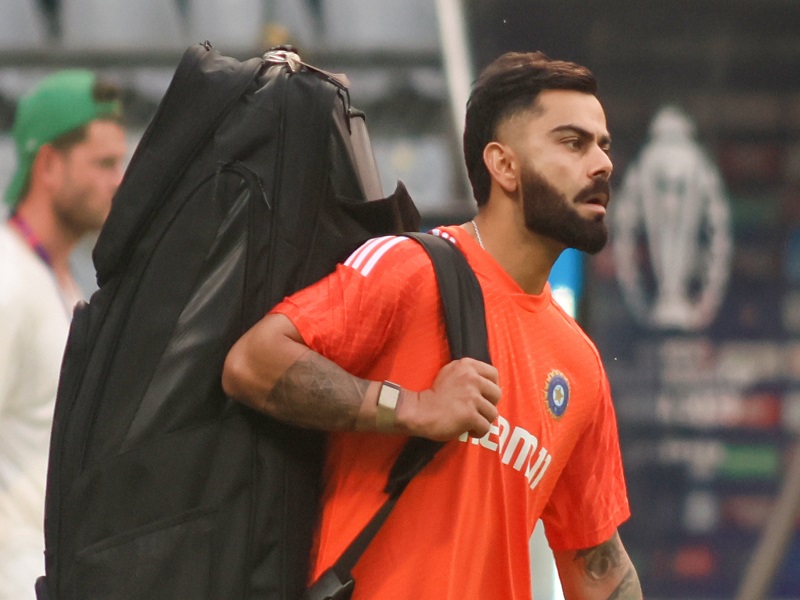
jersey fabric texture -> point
(33, 331)
(462, 526)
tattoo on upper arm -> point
(315, 392)
(600, 560)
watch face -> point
(389, 395)
(387, 404)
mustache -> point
(598, 186)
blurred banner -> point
(695, 309)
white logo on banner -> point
(672, 239)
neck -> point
(56, 241)
(525, 256)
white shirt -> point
(34, 323)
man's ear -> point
(48, 167)
(501, 162)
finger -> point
(482, 375)
(483, 369)
(487, 411)
(482, 419)
(479, 429)
(490, 391)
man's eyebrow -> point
(603, 140)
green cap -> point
(60, 103)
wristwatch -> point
(387, 406)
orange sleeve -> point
(354, 315)
(590, 500)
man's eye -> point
(573, 143)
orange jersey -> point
(461, 528)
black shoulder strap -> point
(465, 323)
(461, 296)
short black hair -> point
(507, 86)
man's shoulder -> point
(397, 255)
(380, 253)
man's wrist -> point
(386, 406)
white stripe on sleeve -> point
(367, 256)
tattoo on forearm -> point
(605, 562)
(629, 588)
(600, 560)
(314, 392)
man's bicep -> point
(603, 572)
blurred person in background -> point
(532, 436)
(70, 148)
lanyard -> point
(30, 238)
(35, 244)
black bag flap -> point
(401, 214)
(204, 86)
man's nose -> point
(602, 166)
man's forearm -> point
(315, 392)
(629, 588)
(271, 370)
(607, 561)
(603, 572)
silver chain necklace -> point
(477, 234)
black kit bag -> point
(251, 181)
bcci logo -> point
(672, 240)
(556, 393)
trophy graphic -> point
(671, 230)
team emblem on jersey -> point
(556, 393)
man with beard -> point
(363, 354)
(70, 150)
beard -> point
(79, 210)
(550, 214)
